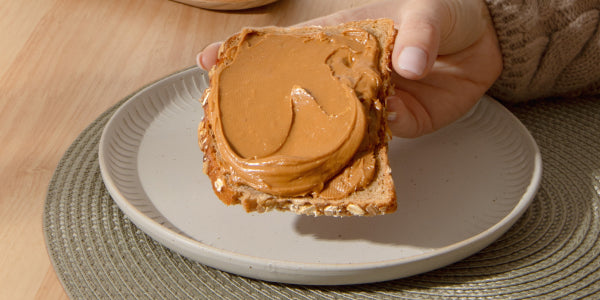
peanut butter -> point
(292, 115)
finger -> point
(208, 57)
(465, 24)
(418, 38)
(407, 118)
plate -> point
(459, 189)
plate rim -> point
(336, 273)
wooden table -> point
(64, 62)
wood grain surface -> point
(64, 62)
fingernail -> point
(413, 59)
(391, 116)
(199, 61)
(391, 102)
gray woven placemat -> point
(553, 251)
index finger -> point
(208, 57)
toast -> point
(377, 197)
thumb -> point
(431, 27)
(418, 39)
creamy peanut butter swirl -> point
(292, 112)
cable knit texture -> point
(550, 48)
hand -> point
(445, 57)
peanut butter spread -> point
(296, 115)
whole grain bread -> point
(376, 198)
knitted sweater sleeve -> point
(549, 48)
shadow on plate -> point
(387, 229)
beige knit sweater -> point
(549, 47)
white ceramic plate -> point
(458, 190)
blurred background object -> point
(226, 4)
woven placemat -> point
(552, 251)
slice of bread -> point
(377, 198)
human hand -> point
(445, 57)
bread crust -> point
(377, 198)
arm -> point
(547, 49)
